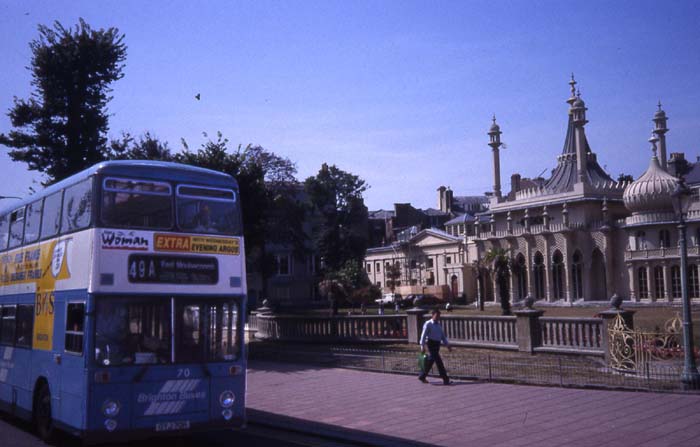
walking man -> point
(433, 335)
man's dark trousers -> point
(434, 357)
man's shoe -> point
(447, 382)
(423, 379)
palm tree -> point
(500, 262)
(333, 290)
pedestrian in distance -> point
(432, 336)
(381, 309)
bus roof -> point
(145, 169)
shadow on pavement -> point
(283, 366)
(331, 432)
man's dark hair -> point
(435, 311)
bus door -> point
(72, 361)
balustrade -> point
(580, 334)
(561, 334)
(483, 331)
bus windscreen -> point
(139, 331)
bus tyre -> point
(43, 423)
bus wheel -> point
(42, 413)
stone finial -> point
(529, 302)
(653, 140)
(616, 301)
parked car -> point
(426, 300)
(389, 298)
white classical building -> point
(577, 236)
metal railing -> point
(588, 372)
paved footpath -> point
(389, 409)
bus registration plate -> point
(175, 425)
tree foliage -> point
(500, 263)
(393, 274)
(333, 290)
(145, 147)
(365, 295)
(61, 129)
(342, 232)
(266, 181)
(625, 178)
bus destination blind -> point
(172, 269)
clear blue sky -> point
(398, 92)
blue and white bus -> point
(122, 296)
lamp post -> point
(681, 199)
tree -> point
(365, 295)
(146, 147)
(393, 274)
(500, 265)
(342, 233)
(333, 290)
(625, 178)
(61, 129)
(265, 181)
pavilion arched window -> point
(577, 275)
(539, 276)
(659, 282)
(642, 284)
(558, 275)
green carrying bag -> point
(422, 356)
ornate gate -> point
(638, 352)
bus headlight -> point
(226, 399)
(227, 414)
(110, 424)
(110, 408)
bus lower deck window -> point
(75, 321)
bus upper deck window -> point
(51, 217)
(77, 206)
(136, 204)
(33, 220)
(16, 227)
(4, 231)
(207, 210)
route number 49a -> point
(183, 372)
(142, 269)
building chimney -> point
(441, 198)
(448, 200)
(674, 164)
(515, 183)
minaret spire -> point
(495, 143)
(578, 110)
(660, 129)
(572, 98)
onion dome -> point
(579, 102)
(494, 127)
(651, 193)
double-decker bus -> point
(122, 296)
